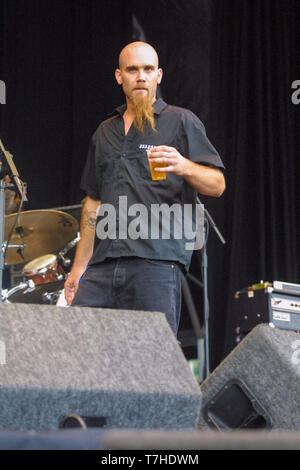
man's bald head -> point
(137, 48)
(139, 75)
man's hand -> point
(84, 248)
(206, 180)
(72, 283)
(174, 161)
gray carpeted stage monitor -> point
(123, 366)
(257, 386)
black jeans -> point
(133, 284)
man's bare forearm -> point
(206, 180)
(85, 246)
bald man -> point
(120, 260)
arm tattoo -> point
(89, 220)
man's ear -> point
(118, 76)
(160, 75)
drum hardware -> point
(65, 261)
(26, 236)
(20, 247)
(45, 279)
(29, 286)
(38, 232)
(51, 297)
(8, 170)
(29, 292)
(9, 167)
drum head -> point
(39, 263)
(46, 293)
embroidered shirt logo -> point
(146, 147)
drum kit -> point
(39, 241)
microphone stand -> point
(2, 218)
(207, 220)
(7, 168)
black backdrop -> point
(231, 61)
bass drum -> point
(46, 293)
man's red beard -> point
(143, 112)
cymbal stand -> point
(7, 168)
(2, 218)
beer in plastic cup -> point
(157, 175)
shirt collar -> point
(158, 107)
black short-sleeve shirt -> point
(117, 173)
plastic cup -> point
(157, 175)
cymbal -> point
(42, 231)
